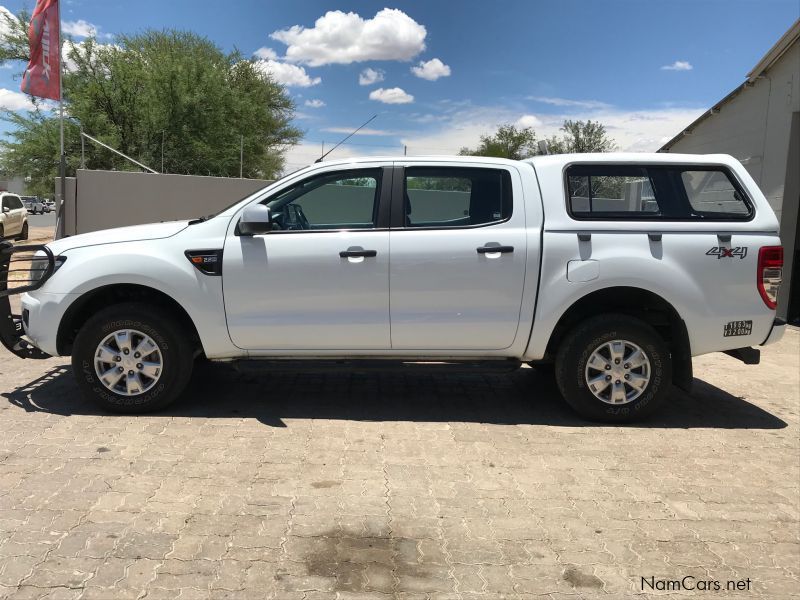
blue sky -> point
(643, 68)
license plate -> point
(738, 328)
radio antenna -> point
(364, 124)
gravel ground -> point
(387, 485)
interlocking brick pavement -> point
(398, 485)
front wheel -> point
(132, 358)
(614, 368)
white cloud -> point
(365, 131)
(431, 70)
(11, 100)
(569, 103)
(69, 63)
(678, 65)
(391, 96)
(633, 130)
(315, 103)
(285, 74)
(266, 53)
(369, 76)
(5, 14)
(344, 38)
(528, 121)
(79, 28)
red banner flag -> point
(42, 78)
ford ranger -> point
(616, 268)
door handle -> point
(492, 249)
(358, 253)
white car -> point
(617, 268)
(13, 217)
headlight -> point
(39, 266)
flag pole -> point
(63, 156)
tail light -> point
(770, 273)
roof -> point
(767, 61)
(544, 160)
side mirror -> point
(6, 209)
(256, 219)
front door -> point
(320, 280)
(458, 258)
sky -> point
(439, 74)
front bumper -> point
(13, 261)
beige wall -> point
(756, 127)
(107, 199)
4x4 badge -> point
(722, 252)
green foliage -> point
(580, 136)
(518, 143)
(169, 90)
(443, 184)
(14, 38)
(508, 142)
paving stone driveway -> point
(423, 485)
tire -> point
(629, 403)
(23, 235)
(175, 355)
(2, 233)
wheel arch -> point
(639, 303)
(101, 297)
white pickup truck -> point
(617, 268)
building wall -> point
(15, 185)
(754, 126)
(107, 199)
(759, 127)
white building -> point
(759, 124)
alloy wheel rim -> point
(128, 362)
(617, 372)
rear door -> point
(458, 252)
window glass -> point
(712, 191)
(611, 191)
(456, 197)
(14, 202)
(331, 201)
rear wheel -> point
(23, 235)
(614, 368)
(132, 358)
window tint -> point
(713, 192)
(456, 197)
(341, 200)
(654, 192)
(11, 202)
(610, 191)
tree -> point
(170, 94)
(508, 142)
(14, 35)
(580, 136)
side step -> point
(317, 365)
